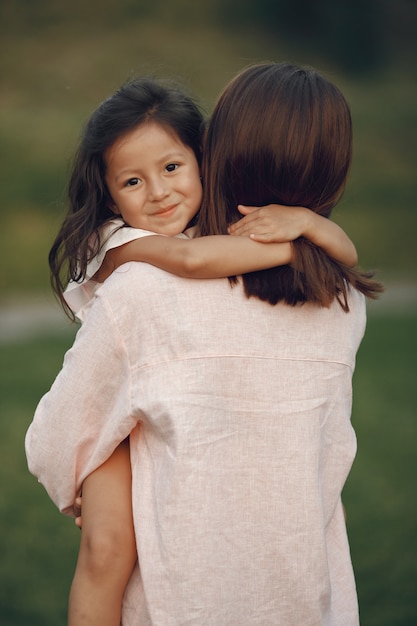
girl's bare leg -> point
(107, 550)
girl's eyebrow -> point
(169, 156)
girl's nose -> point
(158, 189)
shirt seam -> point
(125, 350)
(239, 356)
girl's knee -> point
(104, 551)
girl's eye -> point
(172, 167)
(132, 182)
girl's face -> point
(153, 179)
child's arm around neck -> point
(219, 256)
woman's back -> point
(241, 441)
(242, 447)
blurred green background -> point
(58, 60)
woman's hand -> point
(273, 223)
(77, 511)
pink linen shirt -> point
(241, 441)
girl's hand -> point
(273, 223)
(276, 223)
(77, 511)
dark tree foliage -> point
(349, 32)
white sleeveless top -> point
(114, 233)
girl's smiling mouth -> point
(166, 211)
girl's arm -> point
(216, 256)
(282, 223)
(107, 550)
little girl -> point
(136, 173)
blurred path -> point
(22, 319)
(398, 299)
(27, 318)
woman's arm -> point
(274, 223)
(216, 256)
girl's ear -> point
(113, 207)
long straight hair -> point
(139, 101)
(281, 134)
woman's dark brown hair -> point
(282, 134)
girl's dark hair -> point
(139, 101)
(281, 134)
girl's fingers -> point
(262, 238)
(246, 210)
(239, 230)
(246, 226)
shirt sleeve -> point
(114, 233)
(87, 411)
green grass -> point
(380, 493)
(38, 546)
